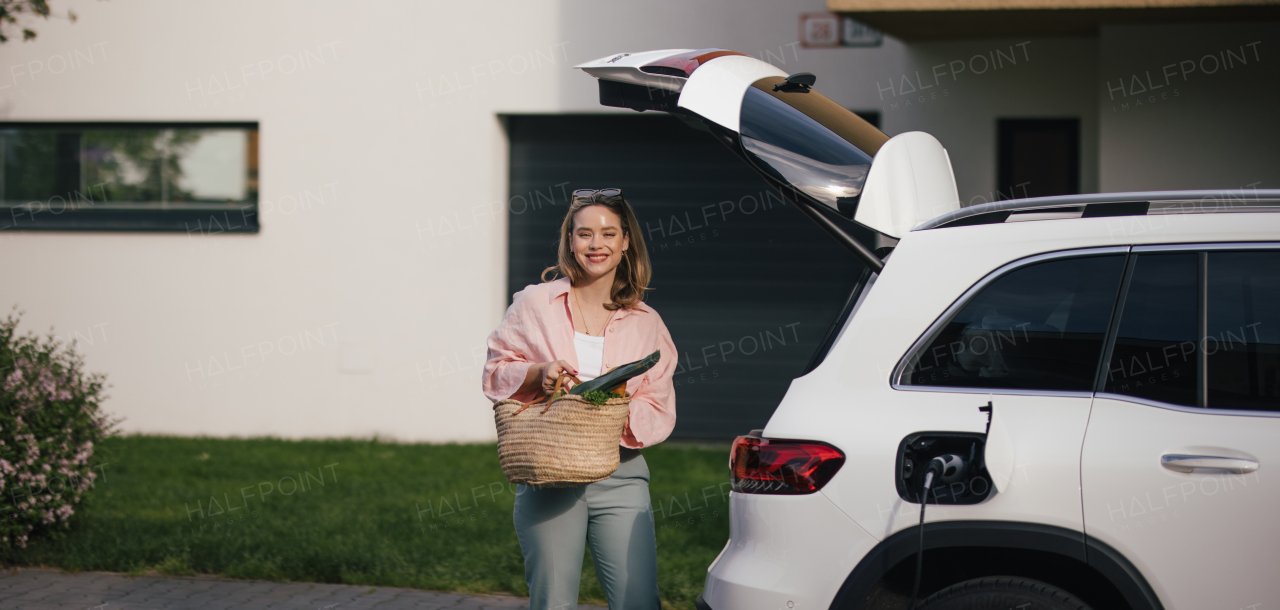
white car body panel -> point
(1203, 540)
(1044, 481)
(715, 89)
(784, 552)
(625, 68)
(910, 182)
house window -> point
(1038, 158)
(182, 177)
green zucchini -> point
(618, 376)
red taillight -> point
(767, 466)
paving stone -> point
(494, 601)
(37, 595)
(25, 584)
(367, 602)
(42, 589)
(285, 593)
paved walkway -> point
(40, 589)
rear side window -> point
(1038, 327)
(1242, 345)
(1155, 350)
(1201, 330)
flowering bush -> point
(49, 423)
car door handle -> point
(1189, 463)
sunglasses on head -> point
(596, 194)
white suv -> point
(1082, 388)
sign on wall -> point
(829, 30)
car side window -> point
(1243, 339)
(1038, 327)
(1155, 347)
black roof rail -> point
(1093, 205)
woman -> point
(587, 322)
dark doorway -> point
(746, 283)
(1038, 158)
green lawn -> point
(358, 512)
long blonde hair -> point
(631, 280)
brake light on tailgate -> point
(684, 64)
(769, 466)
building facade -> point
(383, 157)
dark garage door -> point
(746, 284)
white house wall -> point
(1211, 122)
(972, 83)
(382, 176)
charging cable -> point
(949, 467)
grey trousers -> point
(614, 516)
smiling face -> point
(598, 240)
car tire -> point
(1002, 593)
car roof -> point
(1096, 205)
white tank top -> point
(590, 350)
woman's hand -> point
(542, 376)
(551, 372)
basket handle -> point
(559, 384)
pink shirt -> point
(538, 327)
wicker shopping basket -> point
(568, 443)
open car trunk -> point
(863, 188)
